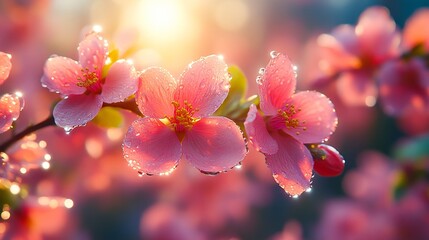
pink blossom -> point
(85, 85)
(413, 33)
(404, 85)
(178, 121)
(10, 105)
(355, 52)
(5, 66)
(291, 120)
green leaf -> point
(413, 150)
(109, 117)
(237, 92)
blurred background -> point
(105, 199)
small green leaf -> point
(237, 92)
(413, 150)
(109, 117)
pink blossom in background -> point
(371, 183)
(404, 85)
(178, 121)
(10, 104)
(291, 120)
(84, 84)
(354, 53)
(5, 66)
(414, 30)
(371, 212)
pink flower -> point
(10, 105)
(404, 85)
(5, 66)
(291, 120)
(355, 52)
(85, 84)
(178, 121)
(413, 31)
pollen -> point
(286, 118)
(183, 116)
(90, 80)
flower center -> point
(183, 116)
(90, 81)
(286, 118)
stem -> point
(45, 123)
(129, 105)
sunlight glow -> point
(161, 19)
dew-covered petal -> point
(121, 82)
(5, 66)
(151, 147)
(204, 85)
(413, 33)
(61, 75)
(214, 144)
(276, 84)
(93, 50)
(77, 110)
(155, 93)
(377, 34)
(10, 109)
(404, 85)
(316, 116)
(257, 132)
(357, 88)
(292, 165)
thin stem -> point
(45, 123)
(129, 105)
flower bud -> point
(328, 162)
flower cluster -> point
(373, 59)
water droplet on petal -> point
(209, 173)
(261, 71)
(258, 80)
(274, 54)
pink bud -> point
(328, 162)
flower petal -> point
(276, 84)
(5, 66)
(377, 34)
(317, 117)
(404, 85)
(413, 34)
(151, 147)
(155, 93)
(93, 52)
(77, 110)
(61, 75)
(257, 132)
(121, 82)
(339, 50)
(10, 109)
(292, 165)
(214, 144)
(204, 85)
(357, 88)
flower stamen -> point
(90, 80)
(183, 116)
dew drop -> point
(209, 173)
(261, 71)
(259, 80)
(140, 173)
(68, 130)
(274, 54)
(20, 97)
